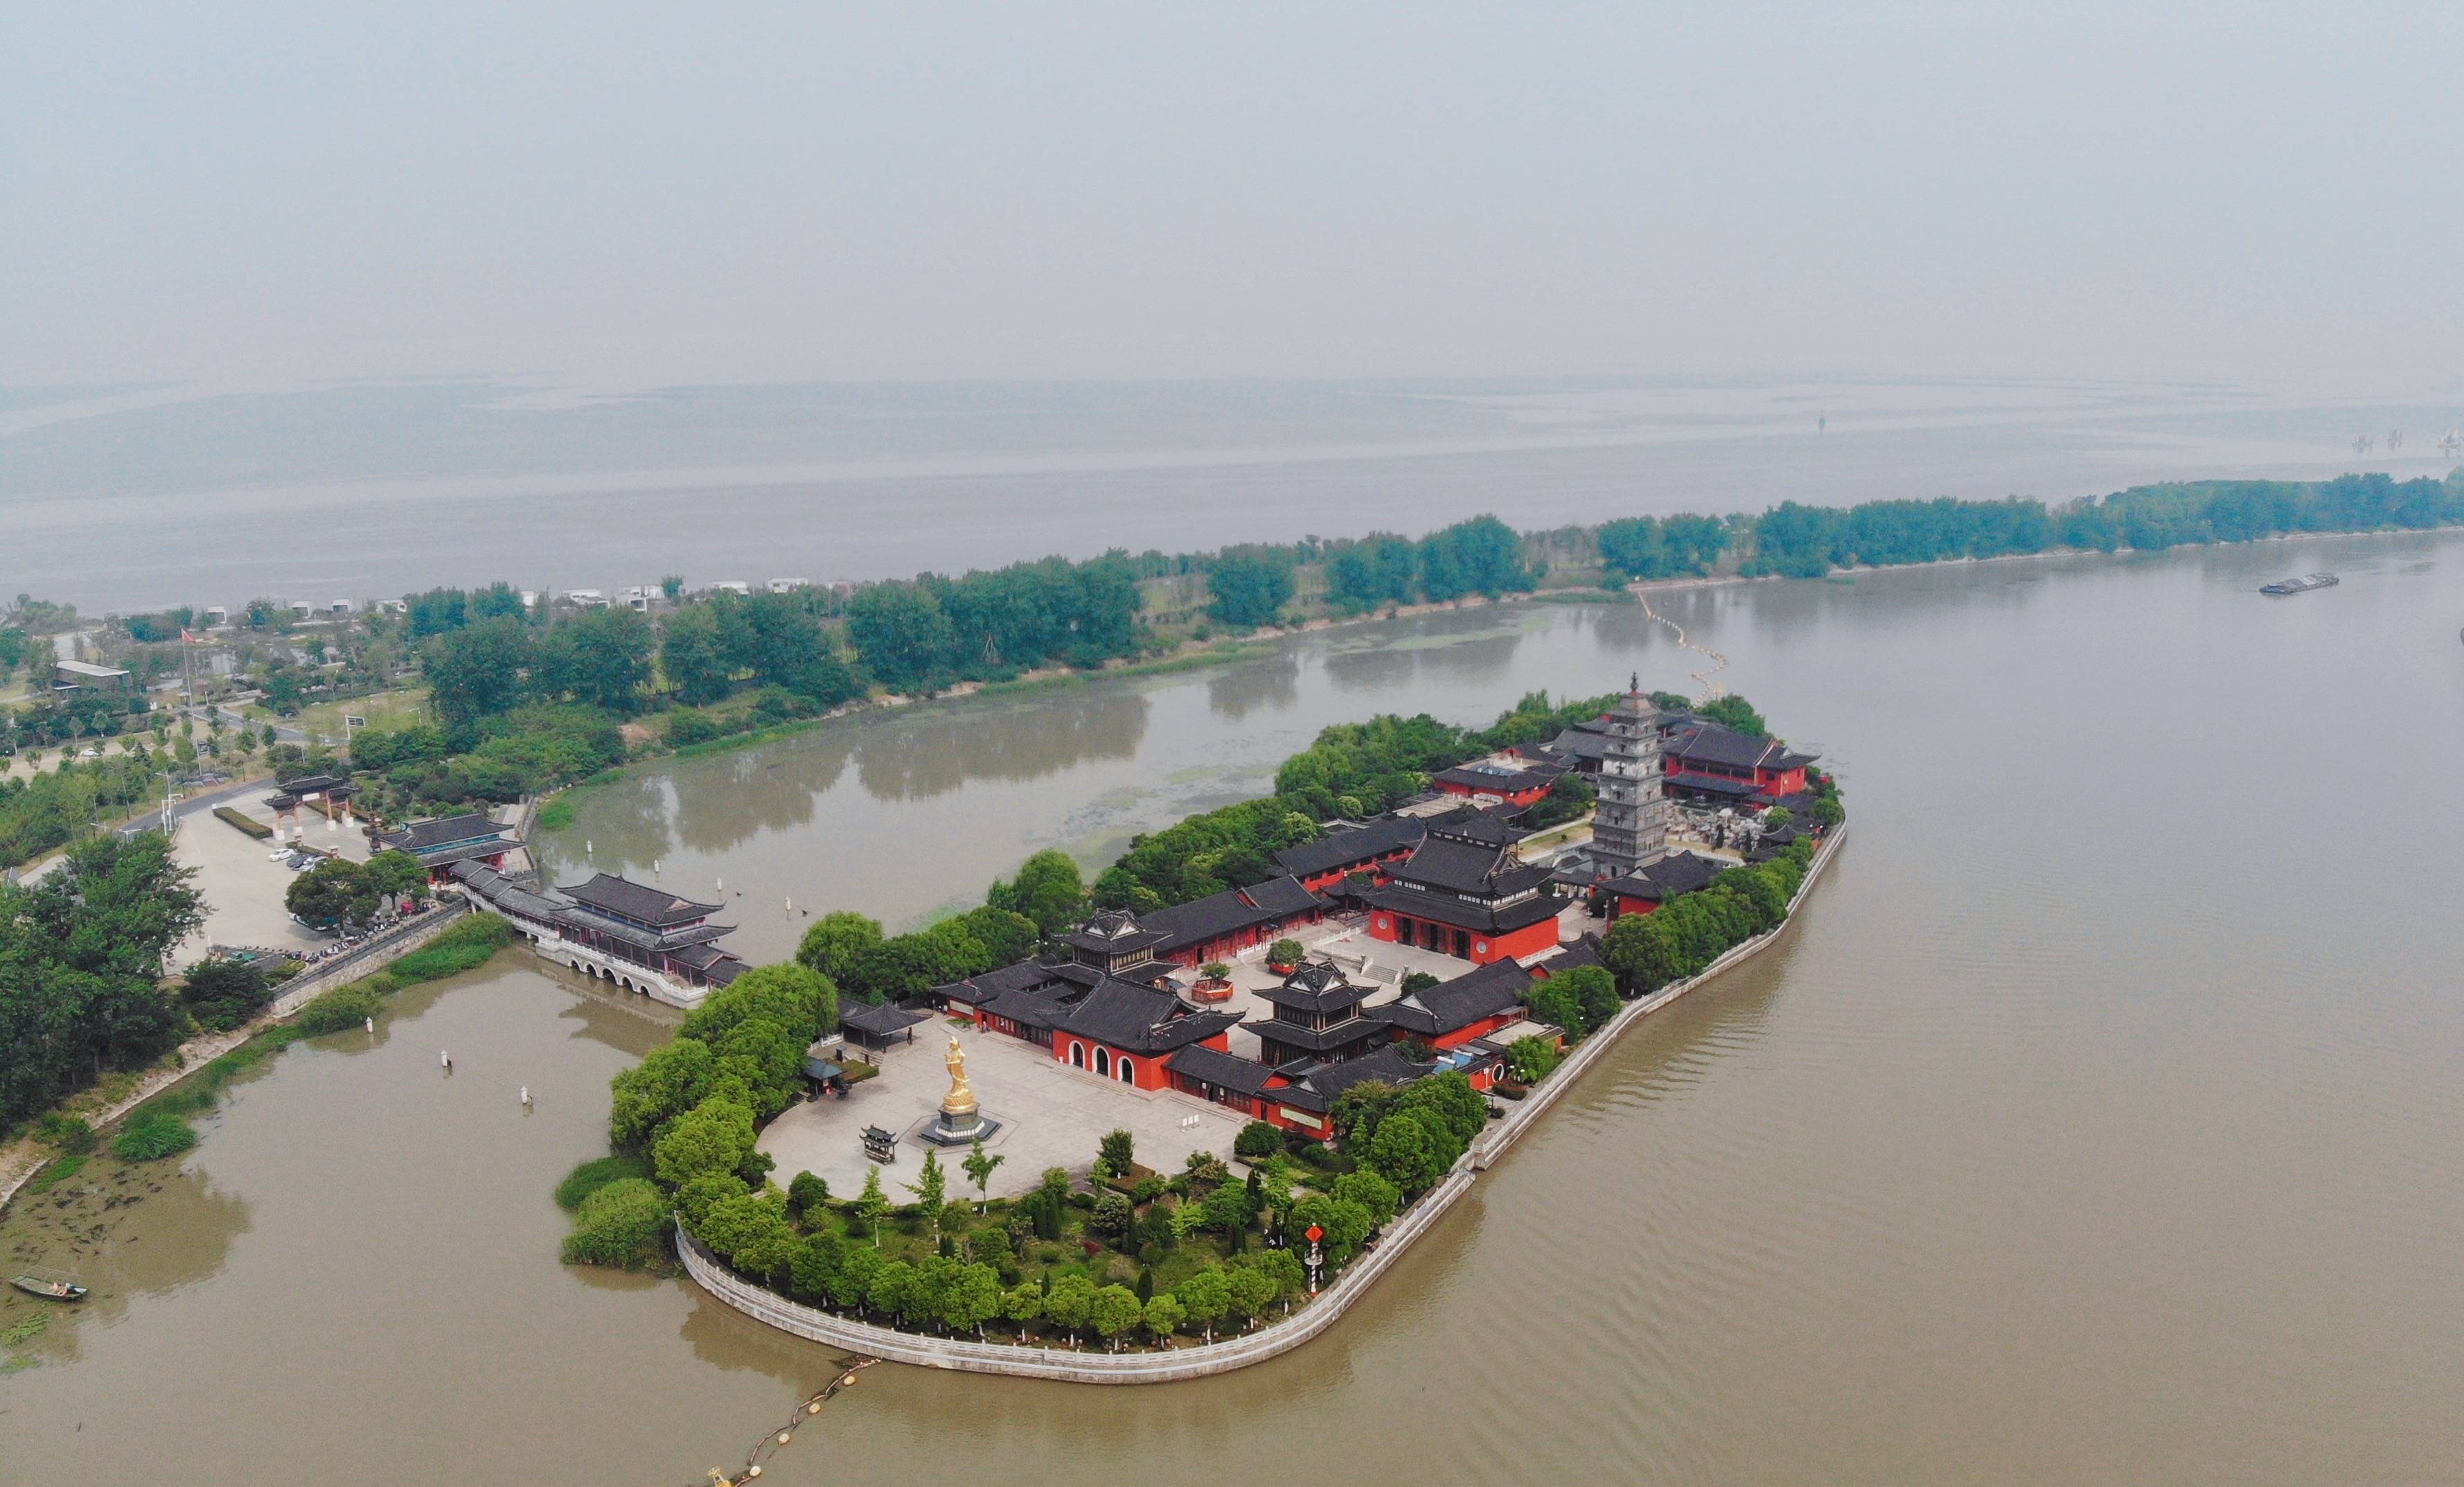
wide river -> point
(2100, 1122)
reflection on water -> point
(2095, 1122)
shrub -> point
(222, 995)
(152, 1137)
(623, 1226)
(256, 828)
(343, 1006)
(64, 1133)
(1286, 953)
(806, 1193)
(1257, 1139)
(589, 1177)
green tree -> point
(1204, 1295)
(1070, 1303)
(715, 1136)
(892, 1288)
(1117, 1151)
(1403, 1152)
(807, 1195)
(478, 672)
(979, 1165)
(1248, 1293)
(1531, 1058)
(1164, 1316)
(872, 1204)
(902, 634)
(335, 894)
(1047, 890)
(670, 1081)
(622, 1226)
(1250, 586)
(691, 656)
(222, 995)
(1023, 1303)
(1372, 1192)
(1114, 1310)
(931, 1188)
(976, 1298)
(601, 659)
(397, 875)
(1283, 1270)
(816, 1266)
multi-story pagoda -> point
(1630, 825)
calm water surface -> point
(2099, 1123)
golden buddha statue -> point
(960, 1102)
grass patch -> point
(556, 814)
(56, 1173)
(343, 1006)
(466, 946)
(589, 1177)
(153, 1136)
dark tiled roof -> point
(1315, 988)
(1697, 741)
(425, 836)
(1678, 873)
(976, 991)
(1348, 846)
(1462, 914)
(881, 1021)
(1710, 784)
(1454, 865)
(1316, 1088)
(638, 902)
(1350, 1032)
(1498, 781)
(1432, 1011)
(1585, 951)
(1273, 901)
(1225, 1071)
(1282, 896)
(502, 893)
(1113, 932)
(465, 852)
(583, 918)
(1140, 1019)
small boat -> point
(52, 1285)
(2298, 586)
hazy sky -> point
(253, 193)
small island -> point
(1171, 1120)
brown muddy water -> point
(2099, 1123)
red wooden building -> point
(1464, 892)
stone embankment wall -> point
(1200, 1360)
(374, 956)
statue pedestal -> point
(960, 1130)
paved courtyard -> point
(1050, 1115)
(243, 888)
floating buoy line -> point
(1712, 691)
(772, 1442)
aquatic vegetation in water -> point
(152, 1137)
